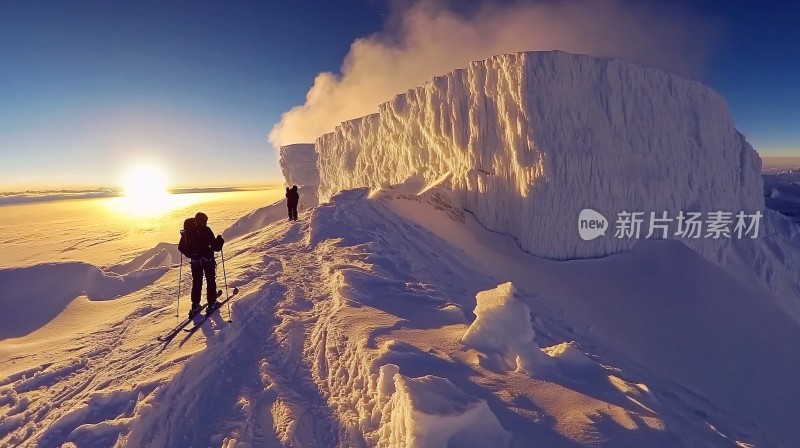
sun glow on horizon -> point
(145, 192)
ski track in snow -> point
(327, 305)
(60, 400)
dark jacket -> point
(199, 243)
(292, 196)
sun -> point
(145, 192)
(145, 182)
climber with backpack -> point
(198, 244)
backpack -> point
(190, 237)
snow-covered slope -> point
(258, 219)
(357, 327)
(531, 139)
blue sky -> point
(756, 66)
(90, 87)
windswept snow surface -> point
(348, 333)
(531, 139)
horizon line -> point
(10, 189)
(38, 196)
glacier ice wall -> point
(531, 139)
(299, 164)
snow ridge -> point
(357, 368)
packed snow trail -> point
(249, 380)
(348, 333)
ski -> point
(211, 311)
(186, 322)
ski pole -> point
(225, 276)
(180, 275)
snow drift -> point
(162, 255)
(39, 293)
(531, 139)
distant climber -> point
(292, 198)
(198, 243)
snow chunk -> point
(431, 412)
(503, 327)
(568, 354)
(299, 164)
(533, 138)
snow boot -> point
(211, 307)
(195, 309)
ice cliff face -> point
(528, 140)
(299, 164)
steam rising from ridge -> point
(428, 39)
